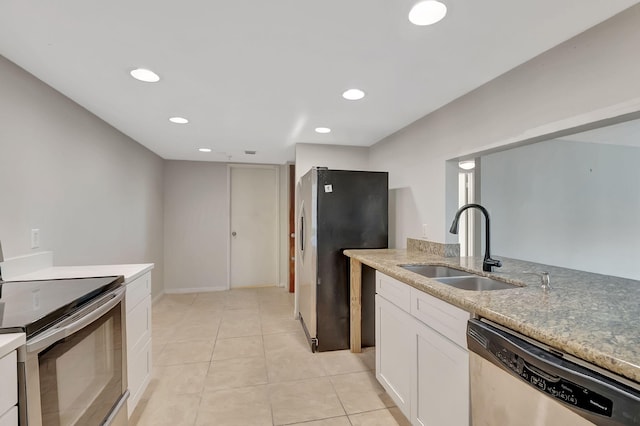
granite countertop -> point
(590, 316)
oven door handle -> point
(79, 320)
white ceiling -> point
(261, 75)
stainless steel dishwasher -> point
(517, 381)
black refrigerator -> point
(337, 210)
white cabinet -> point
(421, 356)
(9, 389)
(392, 356)
(10, 418)
(138, 302)
(441, 382)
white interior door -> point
(254, 226)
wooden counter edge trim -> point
(356, 306)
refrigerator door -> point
(306, 247)
(352, 212)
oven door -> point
(75, 373)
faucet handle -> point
(545, 279)
(488, 264)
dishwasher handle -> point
(596, 397)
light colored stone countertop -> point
(590, 316)
(10, 342)
(129, 271)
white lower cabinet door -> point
(394, 335)
(10, 418)
(440, 394)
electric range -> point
(33, 306)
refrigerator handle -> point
(302, 233)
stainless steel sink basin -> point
(456, 278)
(475, 282)
(435, 271)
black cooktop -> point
(32, 306)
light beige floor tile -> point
(178, 299)
(360, 392)
(274, 325)
(386, 417)
(162, 334)
(167, 410)
(236, 407)
(189, 331)
(156, 349)
(240, 314)
(304, 400)
(214, 307)
(342, 362)
(185, 352)
(238, 347)
(201, 315)
(277, 345)
(369, 357)
(180, 379)
(296, 366)
(239, 328)
(276, 312)
(214, 296)
(235, 373)
(241, 299)
(335, 421)
(166, 319)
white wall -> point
(94, 193)
(591, 72)
(566, 203)
(284, 225)
(196, 226)
(336, 157)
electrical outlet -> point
(35, 238)
(424, 230)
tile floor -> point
(238, 358)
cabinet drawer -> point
(446, 319)
(139, 324)
(10, 418)
(9, 382)
(394, 291)
(137, 290)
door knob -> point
(292, 235)
(234, 233)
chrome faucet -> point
(488, 263)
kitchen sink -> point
(435, 271)
(462, 280)
(475, 282)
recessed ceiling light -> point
(323, 130)
(427, 12)
(145, 75)
(353, 94)
(467, 165)
(204, 149)
(178, 120)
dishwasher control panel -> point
(557, 387)
(591, 393)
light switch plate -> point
(35, 238)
